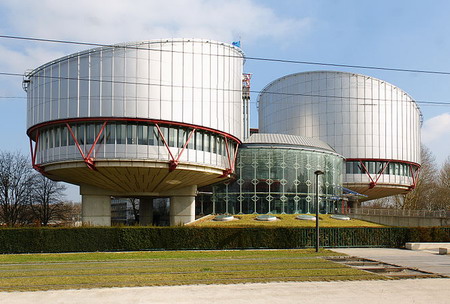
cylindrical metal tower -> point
(373, 124)
(150, 118)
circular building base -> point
(136, 177)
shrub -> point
(31, 240)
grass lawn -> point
(284, 220)
(25, 272)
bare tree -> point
(47, 200)
(16, 188)
(443, 189)
(423, 197)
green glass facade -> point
(277, 179)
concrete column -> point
(145, 211)
(96, 210)
(182, 209)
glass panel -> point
(131, 134)
(80, 134)
(349, 167)
(152, 135)
(199, 140)
(120, 133)
(51, 137)
(206, 139)
(64, 135)
(58, 137)
(110, 133)
(173, 138)
(142, 134)
(90, 136)
(74, 131)
(182, 137)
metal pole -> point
(317, 173)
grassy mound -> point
(284, 220)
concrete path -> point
(428, 291)
(427, 260)
(434, 291)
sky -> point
(408, 34)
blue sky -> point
(405, 34)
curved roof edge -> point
(136, 44)
(290, 140)
(336, 72)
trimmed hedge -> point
(32, 240)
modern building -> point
(161, 118)
(373, 124)
(147, 119)
(122, 211)
(275, 174)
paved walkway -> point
(434, 291)
(427, 260)
(427, 291)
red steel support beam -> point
(174, 163)
(414, 177)
(87, 158)
(235, 156)
(372, 182)
(381, 172)
(228, 170)
(35, 166)
(77, 144)
(123, 119)
(231, 162)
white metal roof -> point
(285, 139)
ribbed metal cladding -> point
(285, 139)
(359, 116)
(192, 81)
(181, 84)
(147, 117)
(373, 124)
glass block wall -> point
(276, 180)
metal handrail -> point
(400, 212)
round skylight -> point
(224, 218)
(306, 217)
(340, 217)
(266, 217)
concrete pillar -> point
(182, 209)
(145, 211)
(96, 210)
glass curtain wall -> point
(131, 134)
(278, 181)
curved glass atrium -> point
(275, 174)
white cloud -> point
(115, 21)
(119, 21)
(436, 135)
(436, 128)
